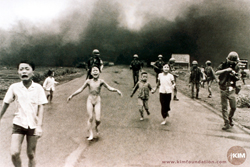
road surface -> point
(192, 133)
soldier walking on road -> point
(171, 63)
(136, 66)
(195, 78)
(209, 76)
(229, 73)
(158, 66)
(95, 60)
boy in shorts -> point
(94, 100)
(143, 95)
(30, 98)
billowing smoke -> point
(205, 29)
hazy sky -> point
(132, 12)
(69, 30)
(31, 10)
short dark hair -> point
(26, 62)
(50, 72)
(144, 73)
(96, 67)
(166, 64)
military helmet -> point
(233, 56)
(160, 56)
(194, 62)
(208, 62)
(96, 52)
(135, 56)
(172, 59)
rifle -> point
(156, 67)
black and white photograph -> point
(124, 83)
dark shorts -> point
(20, 130)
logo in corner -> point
(236, 155)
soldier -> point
(210, 76)
(195, 78)
(171, 63)
(136, 66)
(229, 73)
(204, 76)
(95, 60)
(158, 66)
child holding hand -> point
(166, 85)
(143, 95)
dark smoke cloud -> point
(205, 30)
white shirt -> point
(27, 101)
(166, 85)
(49, 83)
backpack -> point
(196, 74)
(209, 73)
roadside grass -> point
(9, 76)
(242, 114)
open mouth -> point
(24, 76)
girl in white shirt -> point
(49, 85)
(166, 84)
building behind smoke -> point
(182, 61)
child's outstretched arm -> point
(79, 90)
(134, 89)
(173, 84)
(150, 87)
(111, 88)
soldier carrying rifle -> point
(158, 66)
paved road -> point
(193, 132)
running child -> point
(49, 85)
(94, 100)
(29, 98)
(143, 95)
(166, 84)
